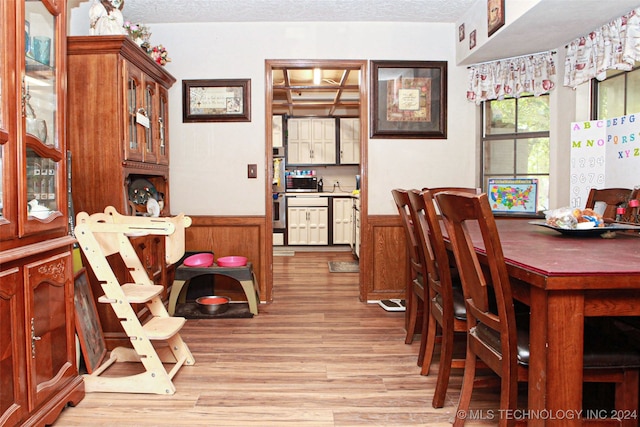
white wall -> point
(209, 160)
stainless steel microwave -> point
(302, 183)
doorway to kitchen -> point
(322, 90)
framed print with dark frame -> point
(222, 100)
(495, 15)
(409, 99)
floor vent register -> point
(393, 304)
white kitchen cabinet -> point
(311, 141)
(349, 141)
(307, 221)
(342, 223)
(298, 141)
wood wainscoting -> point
(383, 263)
(225, 236)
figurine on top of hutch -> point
(38, 371)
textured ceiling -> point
(549, 24)
(171, 11)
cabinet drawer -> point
(307, 201)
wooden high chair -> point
(104, 234)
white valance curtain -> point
(512, 77)
(616, 45)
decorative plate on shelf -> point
(587, 232)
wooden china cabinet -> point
(118, 137)
(38, 372)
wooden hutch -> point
(118, 137)
(38, 371)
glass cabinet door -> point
(4, 207)
(43, 198)
(4, 136)
(163, 123)
(8, 189)
(134, 136)
(150, 155)
(42, 187)
(39, 86)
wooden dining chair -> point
(611, 196)
(496, 336)
(446, 302)
(415, 290)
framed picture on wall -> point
(495, 15)
(216, 100)
(409, 99)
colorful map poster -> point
(513, 195)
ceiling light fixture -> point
(317, 76)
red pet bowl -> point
(199, 260)
(232, 261)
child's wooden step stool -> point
(104, 234)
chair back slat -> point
(421, 209)
(462, 212)
(401, 198)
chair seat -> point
(600, 351)
(459, 310)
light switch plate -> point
(252, 171)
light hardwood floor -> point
(315, 356)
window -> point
(515, 142)
(618, 95)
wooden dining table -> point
(564, 279)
